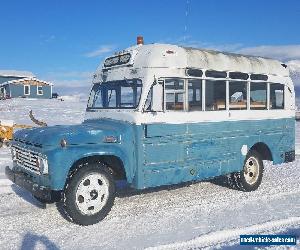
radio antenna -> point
(186, 20)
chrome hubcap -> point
(251, 170)
(92, 194)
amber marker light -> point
(63, 143)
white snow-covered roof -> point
(26, 79)
(16, 73)
(173, 56)
(222, 61)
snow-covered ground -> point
(202, 215)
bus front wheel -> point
(250, 177)
(89, 195)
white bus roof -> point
(173, 56)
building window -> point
(276, 96)
(26, 89)
(258, 95)
(39, 90)
(215, 95)
(175, 94)
(195, 95)
(2, 92)
(237, 95)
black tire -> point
(241, 180)
(71, 200)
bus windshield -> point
(124, 94)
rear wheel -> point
(89, 195)
(250, 177)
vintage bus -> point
(162, 114)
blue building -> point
(12, 86)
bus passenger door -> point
(164, 153)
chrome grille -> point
(26, 159)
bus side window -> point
(174, 89)
(215, 95)
(258, 95)
(148, 103)
(195, 95)
(276, 96)
(237, 95)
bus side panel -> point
(174, 153)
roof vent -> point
(140, 40)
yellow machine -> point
(7, 128)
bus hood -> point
(86, 133)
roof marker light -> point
(140, 40)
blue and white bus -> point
(162, 114)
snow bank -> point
(51, 111)
(74, 98)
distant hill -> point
(17, 73)
(294, 67)
(297, 91)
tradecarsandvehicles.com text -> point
(267, 240)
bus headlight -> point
(43, 164)
(13, 154)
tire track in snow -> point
(215, 238)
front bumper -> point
(26, 182)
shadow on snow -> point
(30, 241)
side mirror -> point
(157, 97)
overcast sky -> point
(65, 41)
